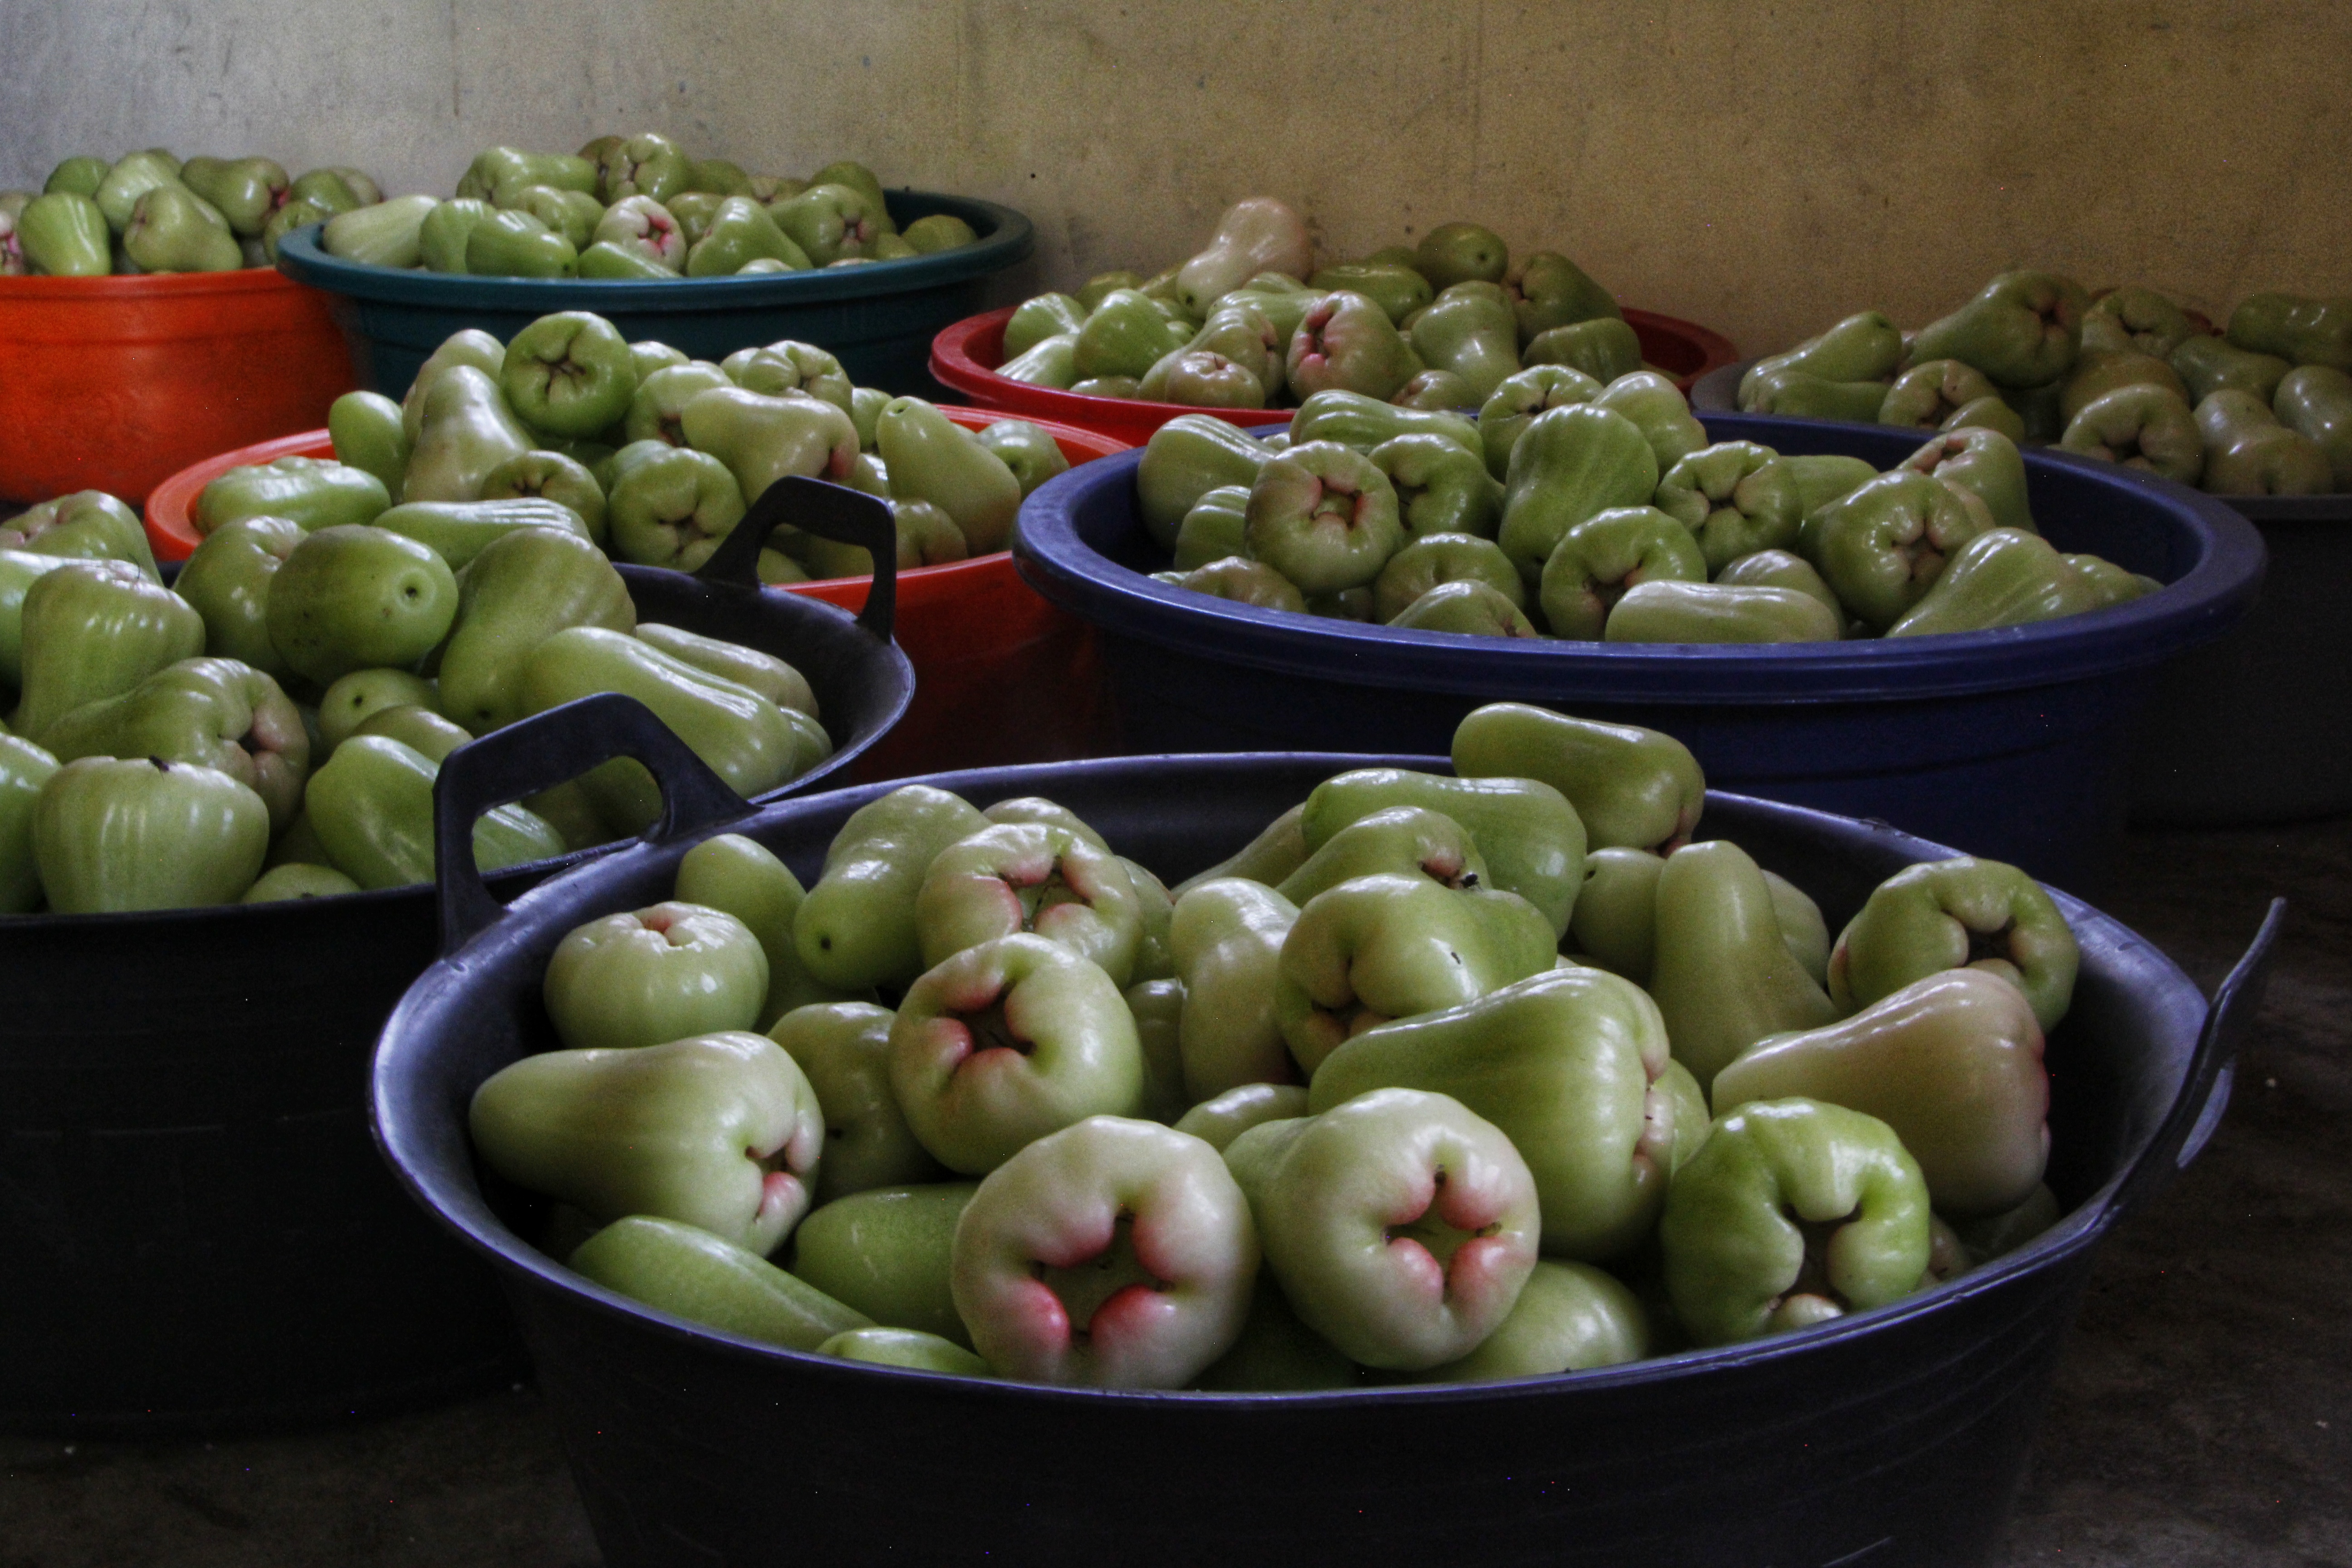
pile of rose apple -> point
(1250, 322)
(1580, 510)
(1487, 1074)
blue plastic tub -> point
(2011, 743)
(1891, 1438)
(879, 320)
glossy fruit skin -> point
(1036, 877)
(889, 1252)
(1950, 914)
(370, 806)
(1952, 1063)
(1472, 333)
(1384, 946)
(457, 531)
(1440, 488)
(1190, 456)
(1571, 463)
(1882, 546)
(1737, 1269)
(1460, 252)
(1057, 1207)
(1344, 343)
(522, 588)
(92, 629)
(1532, 839)
(1041, 317)
(1518, 401)
(1324, 515)
(746, 739)
(670, 505)
(1631, 786)
(2315, 402)
(23, 769)
(1006, 1042)
(1254, 236)
(857, 928)
(113, 836)
(354, 598)
(464, 432)
(214, 712)
(1722, 975)
(1984, 464)
(368, 435)
(1736, 498)
(87, 525)
(933, 459)
(2022, 329)
(1606, 556)
(64, 235)
(1394, 1267)
(655, 974)
(1570, 1317)
(1665, 610)
(1436, 560)
(717, 1130)
(441, 238)
(512, 243)
(689, 1273)
(312, 491)
(1603, 348)
(762, 438)
(1568, 1063)
(1551, 290)
(2300, 328)
(569, 373)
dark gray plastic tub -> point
(2257, 727)
(1890, 1438)
(197, 1235)
(879, 320)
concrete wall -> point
(1760, 165)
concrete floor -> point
(2202, 1416)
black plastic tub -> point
(1895, 1436)
(2249, 728)
(2007, 742)
(2257, 727)
(879, 320)
(198, 1234)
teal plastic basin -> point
(879, 319)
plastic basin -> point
(111, 383)
(1889, 1438)
(1002, 675)
(2250, 729)
(879, 319)
(2007, 742)
(199, 1235)
(965, 357)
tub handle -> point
(830, 511)
(2206, 1094)
(541, 752)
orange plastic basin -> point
(112, 384)
(1000, 676)
(965, 357)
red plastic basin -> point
(112, 384)
(966, 356)
(1000, 676)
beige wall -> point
(1762, 167)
